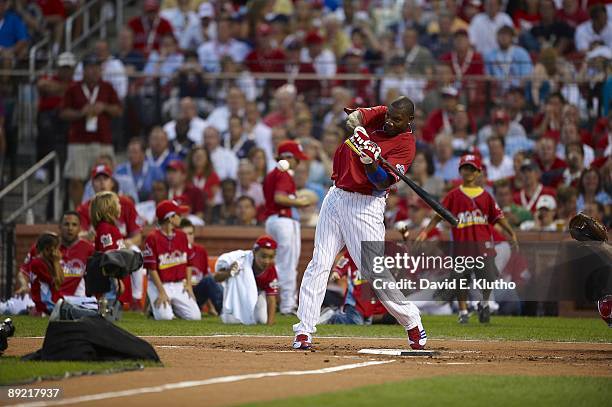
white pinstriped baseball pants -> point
(345, 218)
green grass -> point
(438, 327)
(473, 390)
(15, 371)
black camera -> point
(7, 329)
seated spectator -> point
(508, 61)
(336, 116)
(532, 188)
(515, 214)
(224, 213)
(322, 59)
(219, 117)
(159, 153)
(599, 28)
(516, 107)
(205, 30)
(572, 13)
(574, 155)
(133, 60)
(113, 70)
(551, 74)
(512, 132)
(499, 165)
(211, 52)
(422, 172)
(187, 117)
(320, 163)
(224, 160)
(590, 189)
(596, 72)
(190, 81)
(550, 120)
(236, 140)
(163, 63)
(439, 121)
(149, 28)
(183, 19)
(266, 57)
(124, 184)
(445, 163)
(142, 173)
(309, 215)
(294, 67)
(284, 107)
(442, 80)
(249, 301)
(238, 76)
(395, 210)
(301, 178)
(396, 78)
(246, 212)
(201, 174)
(464, 138)
(180, 191)
(570, 133)
(544, 220)
(247, 184)
(146, 209)
(257, 131)
(566, 205)
(487, 23)
(352, 63)
(440, 39)
(257, 157)
(13, 36)
(527, 15)
(548, 32)
(551, 166)
(597, 211)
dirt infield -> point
(227, 370)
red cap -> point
(167, 208)
(151, 5)
(177, 165)
(314, 38)
(292, 148)
(471, 159)
(265, 241)
(101, 169)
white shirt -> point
(504, 170)
(483, 31)
(225, 163)
(585, 35)
(411, 87)
(324, 64)
(211, 52)
(262, 135)
(255, 191)
(219, 118)
(193, 37)
(113, 71)
(589, 154)
(195, 133)
(181, 22)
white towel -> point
(239, 291)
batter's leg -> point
(327, 244)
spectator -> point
(181, 191)
(205, 30)
(246, 212)
(13, 36)
(146, 209)
(149, 28)
(238, 76)
(211, 52)
(550, 32)
(336, 116)
(487, 23)
(418, 59)
(545, 216)
(187, 119)
(445, 163)
(572, 13)
(442, 79)
(512, 132)
(224, 161)
(247, 184)
(89, 105)
(266, 57)
(159, 153)
(514, 213)
(549, 122)
(191, 82)
(397, 80)
(598, 29)
(236, 140)
(225, 212)
(54, 16)
(320, 163)
(566, 205)
(139, 169)
(201, 174)
(257, 131)
(516, 106)
(352, 63)
(411, 17)
(590, 189)
(422, 172)
(294, 66)
(574, 154)
(440, 41)
(549, 75)
(219, 117)
(113, 70)
(527, 15)
(183, 19)
(124, 185)
(163, 63)
(301, 178)
(571, 134)
(498, 164)
(323, 59)
(518, 180)
(463, 137)
(551, 166)
(439, 121)
(509, 64)
(532, 188)
(257, 157)
(133, 60)
(375, 49)
(597, 211)
(596, 72)
(284, 107)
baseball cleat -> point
(302, 342)
(484, 313)
(417, 338)
(56, 314)
(464, 318)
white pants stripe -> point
(181, 304)
(286, 232)
(346, 218)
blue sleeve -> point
(21, 32)
(489, 59)
(525, 64)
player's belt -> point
(375, 192)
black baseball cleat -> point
(484, 313)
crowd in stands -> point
(179, 109)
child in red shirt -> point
(105, 209)
(46, 273)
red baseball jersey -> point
(277, 181)
(42, 289)
(128, 223)
(169, 255)
(529, 202)
(348, 172)
(267, 281)
(74, 262)
(108, 237)
(199, 262)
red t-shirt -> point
(277, 181)
(206, 184)
(575, 19)
(521, 198)
(169, 255)
(473, 66)
(42, 288)
(52, 7)
(198, 262)
(267, 281)
(270, 61)
(144, 39)
(128, 223)
(108, 237)
(192, 197)
(348, 171)
(75, 99)
(74, 262)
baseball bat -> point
(430, 200)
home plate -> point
(399, 352)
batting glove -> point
(370, 152)
(360, 137)
(235, 269)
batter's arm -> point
(381, 185)
(271, 304)
(354, 120)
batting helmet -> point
(604, 306)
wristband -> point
(379, 175)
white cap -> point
(66, 59)
(546, 201)
(450, 91)
(600, 51)
(206, 10)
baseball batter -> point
(353, 211)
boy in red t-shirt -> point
(477, 212)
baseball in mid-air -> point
(283, 165)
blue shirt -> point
(514, 63)
(12, 30)
(449, 171)
(144, 179)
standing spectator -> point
(498, 164)
(236, 139)
(13, 36)
(54, 16)
(183, 192)
(219, 117)
(163, 64)
(598, 29)
(139, 169)
(247, 183)
(323, 59)
(590, 189)
(532, 188)
(133, 60)
(159, 153)
(551, 166)
(483, 25)
(510, 64)
(89, 105)
(225, 212)
(515, 138)
(149, 28)
(445, 163)
(51, 130)
(417, 58)
(224, 161)
(182, 18)
(211, 52)
(113, 70)
(201, 174)
(187, 117)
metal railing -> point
(90, 25)
(22, 181)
